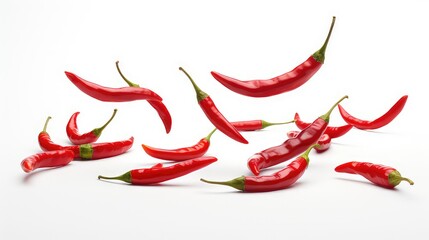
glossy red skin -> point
(107, 94)
(376, 173)
(73, 132)
(324, 141)
(158, 174)
(56, 158)
(179, 154)
(251, 125)
(333, 132)
(279, 180)
(46, 144)
(163, 113)
(219, 121)
(377, 123)
(269, 87)
(289, 149)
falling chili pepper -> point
(213, 114)
(107, 94)
(180, 154)
(324, 142)
(377, 123)
(86, 151)
(280, 84)
(76, 138)
(159, 106)
(158, 174)
(378, 174)
(57, 158)
(277, 181)
(253, 125)
(333, 132)
(291, 147)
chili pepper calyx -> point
(395, 178)
(237, 183)
(305, 154)
(210, 135)
(126, 177)
(268, 124)
(328, 114)
(131, 84)
(97, 131)
(319, 55)
(85, 151)
(46, 124)
(200, 93)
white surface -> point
(377, 53)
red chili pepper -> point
(107, 94)
(253, 125)
(378, 174)
(333, 132)
(213, 114)
(76, 138)
(86, 151)
(159, 106)
(377, 123)
(280, 84)
(324, 141)
(291, 147)
(180, 154)
(56, 158)
(279, 180)
(157, 173)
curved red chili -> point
(57, 158)
(254, 125)
(291, 147)
(159, 106)
(324, 142)
(377, 123)
(76, 138)
(107, 94)
(180, 154)
(277, 181)
(280, 84)
(86, 151)
(333, 132)
(378, 174)
(213, 114)
(157, 173)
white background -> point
(378, 52)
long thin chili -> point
(213, 113)
(57, 158)
(280, 84)
(254, 125)
(324, 142)
(378, 174)
(77, 138)
(277, 181)
(158, 173)
(108, 94)
(159, 106)
(333, 132)
(377, 123)
(291, 147)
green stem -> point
(237, 183)
(328, 114)
(210, 135)
(131, 84)
(46, 124)
(320, 54)
(97, 131)
(408, 180)
(200, 93)
(126, 177)
(305, 154)
(268, 124)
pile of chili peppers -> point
(187, 159)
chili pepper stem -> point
(395, 178)
(237, 183)
(267, 124)
(126, 177)
(326, 115)
(200, 93)
(46, 124)
(131, 84)
(97, 131)
(320, 54)
(305, 154)
(210, 135)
